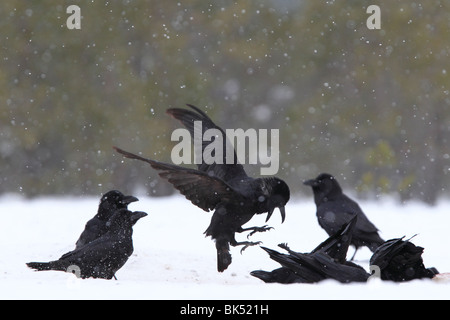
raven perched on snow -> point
(334, 209)
(102, 257)
(401, 260)
(327, 261)
(225, 188)
(96, 227)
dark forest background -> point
(369, 106)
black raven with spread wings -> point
(223, 187)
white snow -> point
(173, 259)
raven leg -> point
(354, 254)
(246, 244)
(254, 230)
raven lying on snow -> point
(327, 261)
(400, 260)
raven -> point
(223, 187)
(334, 209)
(400, 260)
(102, 257)
(327, 261)
(96, 227)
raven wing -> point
(384, 253)
(333, 214)
(336, 246)
(301, 264)
(224, 170)
(343, 273)
(203, 190)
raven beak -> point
(136, 215)
(283, 214)
(269, 214)
(282, 211)
(311, 182)
(129, 199)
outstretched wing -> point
(223, 170)
(201, 189)
(301, 264)
(336, 246)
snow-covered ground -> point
(173, 259)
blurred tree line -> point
(369, 106)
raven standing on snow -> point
(109, 204)
(225, 188)
(104, 256)
(334, 209)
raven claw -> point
(259, 229)
(250, 244)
